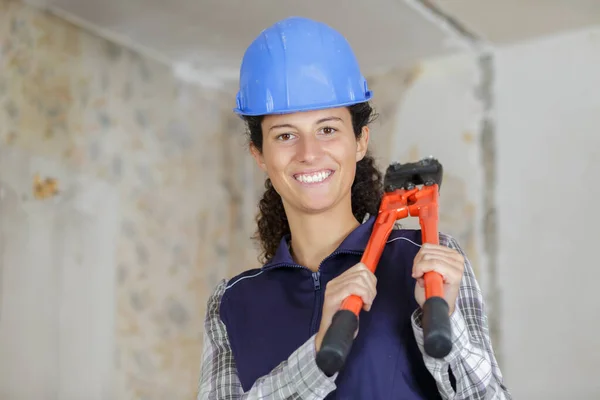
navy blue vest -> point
(270, 312)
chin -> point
(316, 206)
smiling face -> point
(310, 157)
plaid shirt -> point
(471, 360)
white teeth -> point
(313, 178)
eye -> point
(328, 130)
(284, 137)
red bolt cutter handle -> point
(395, 205)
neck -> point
(316, 236)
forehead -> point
(307, 117)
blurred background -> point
(127, 192)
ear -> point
(258, 157)
(362, 144)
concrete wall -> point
(437, 109)
(156, 202)
(440, 114)
(517, 130)
(104, 284)
(548, 146)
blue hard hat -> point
(299, 64)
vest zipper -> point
(314, 326)
(317, 280)
(317, 312)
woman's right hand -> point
(358, 281)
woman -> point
(307, 109)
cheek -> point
(346, 156)
(276, 161)
(345, 152)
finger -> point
(359, 271)
(367, 276)
(450, 274)
(353, 273)
(445, 258)
(360, 267)
(419, 256)
(370, 276)
(353, 288)
(429, 258)
(421, 282)
(366, 279)
(431, 261)
(441, 249)
(370, 279)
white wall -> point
(545, 118)
(57, 286)
(441, 115)
(548, 145)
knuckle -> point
(354, 287)
(365, 275)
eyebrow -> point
(326, 119)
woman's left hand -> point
(447, 262)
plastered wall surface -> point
(441, 114)
(157, 194)
(153, 187)
(446, 112)
(538, 103)
(548, 146)
(156, 201)
(435, 109)
(57, 295)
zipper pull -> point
(317, 280)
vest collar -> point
(355, 242)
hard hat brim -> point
(368, 96)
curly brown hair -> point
(367, 188)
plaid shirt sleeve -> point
(297, 378)
(472, 360)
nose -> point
(309, 149)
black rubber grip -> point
(337, 342)
(436, 327)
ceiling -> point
(509, 21)
(205, 39)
